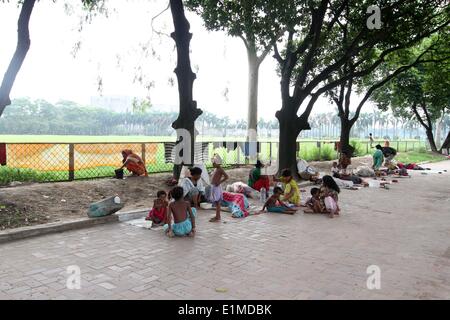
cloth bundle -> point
(365, 171)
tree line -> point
(40, 117)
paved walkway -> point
(404, 231)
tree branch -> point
(23, 45)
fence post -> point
(238, 154)
(270, 152)
(319, 145)
(71, 162)
(398, 145)
(143, 153)
(367, 148)
(406, 146)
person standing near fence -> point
(377, 158)
(389, 154)
(133, 163)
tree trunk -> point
(188, 107)
(23, 45)
(439, 130)
(290, 128)
(346, 127)
(253, 80)
(429, 132)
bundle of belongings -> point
(306, 172)
(410, 166)
(234, 199)
(364, 171)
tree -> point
(342, 95)
(423, 89)
(188, 106)
(23, 45)
(313, 52)
(246, 20)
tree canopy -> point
(423, 89)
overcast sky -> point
(110, 49)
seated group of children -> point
(183, 214)
(181, 210)
(323, 200)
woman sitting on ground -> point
(193, 189)
(256, 180)
(328, 196)
(291, 190)
(133, 163)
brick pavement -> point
(405, 231)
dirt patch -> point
(19, 215)
(324, 166)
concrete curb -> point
(39, 230)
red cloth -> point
(159, 214)
(3, 154)
(262, 182)
(411, 166)
(238, 199)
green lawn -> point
(417, 157)
(78, 139)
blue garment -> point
(277, 209)
(236, 211)
(182, 228)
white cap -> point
(216, 159)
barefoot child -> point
(329, 196)
(219, 176)
(291, 190)
(274, 204)
(335, 168)
(158, 214)
(313, 203)
(183, 216)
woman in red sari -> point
(133, 163)
(256, 180)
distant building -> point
(113, 103)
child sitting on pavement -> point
(291, 191)
(158, 214)
(313, 203)
(183, 216)
(274, 204)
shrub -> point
(359, 148)
(422, 149)
(327, 153)
(8, 175)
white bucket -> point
(374, 183)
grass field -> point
(5, 138)
(417, 157)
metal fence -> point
(45, 162)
